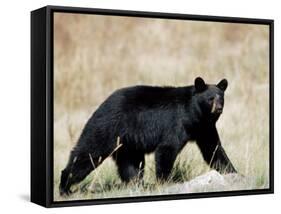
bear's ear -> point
(200, 84)
(222, 84)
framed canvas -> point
(130, 106)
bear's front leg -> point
(165, 157)
(213, 152)
(221, 162)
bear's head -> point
(210, 97)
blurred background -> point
(94, 55)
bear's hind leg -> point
(78, 167)
(130, 165)
(165, 157)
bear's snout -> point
(218, 110)
(217, 105)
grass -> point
(95, 55)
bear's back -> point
(153, 97)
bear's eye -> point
(210, 100)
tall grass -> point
(95, 55)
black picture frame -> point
(42, 104)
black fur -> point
(150, 119)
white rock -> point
(209, 182)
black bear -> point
(150, 119)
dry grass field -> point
(95, 55)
